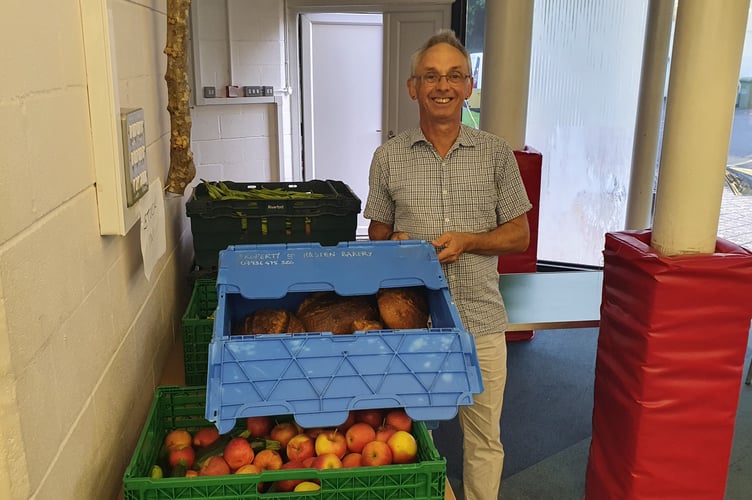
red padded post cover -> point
(530, 162)
(669, 363)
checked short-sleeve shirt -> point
(475, 188)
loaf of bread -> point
(267, 321)
(329, 312)
(403, 308)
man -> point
(461, 189)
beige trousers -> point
(483, 453)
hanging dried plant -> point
(182, 169)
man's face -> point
(442, 100)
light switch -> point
(134, 152)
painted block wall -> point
(240, 43)
(83, 333)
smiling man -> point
(460, 189)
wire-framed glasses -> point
(453, 78)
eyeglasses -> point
(454, 78)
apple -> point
(268, 460)
(238, 453)
(373, 417)
(331, 441)
(384, 432)
(259, 426)
(308, 462)
(327, 461)
(404, 447)
(214, 466)
(300, 447)
(186, 454)
(289, 484)
(283, 432)
(307, 486)
(351, 460)
(358, 435)
(205, 436)
(178, 438)
(314, 431)
(399, 419)
(248, 469)
(376, 453)
(191, 473)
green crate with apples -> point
(183, 408)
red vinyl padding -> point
(671, 346)
(530, 162)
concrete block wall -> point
(83, 333)
(240, 43)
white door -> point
(342, 104)
(404, 33)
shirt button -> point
(443, 164)
(444, 192)
(446, 220)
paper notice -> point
(153, 241)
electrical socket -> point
(252, 91)
(268, 90)
(210, 92)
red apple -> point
(248, 469)
(358, 435)
(205, 436)
(315, 431)
(327, 461)
(331, 441)
(399, 419)
(351, 460)
(259, 426)
(214, 466)
(376, 453)
(178, 438)
(289, 484)
(404, 447)
(300, 447)
(185, 454)
(238, 453)
(384, 432)
(191, 473)
(308, 462)
(268, 460)
(373, 417)
(283, 432)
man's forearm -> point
(379, 230)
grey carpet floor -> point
(546, 422)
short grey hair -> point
(442, 36)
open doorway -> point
(341, 75)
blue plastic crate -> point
(319, 377)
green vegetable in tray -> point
(221, 191)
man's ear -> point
(411, 90)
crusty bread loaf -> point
(329, 312)
(267, 321)
(403, 308)
(366, 324)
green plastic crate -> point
(198, 325)
(217, 224)
(183, 407)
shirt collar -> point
(464, 139)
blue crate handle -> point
(349, 268)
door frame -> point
(294, 8)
